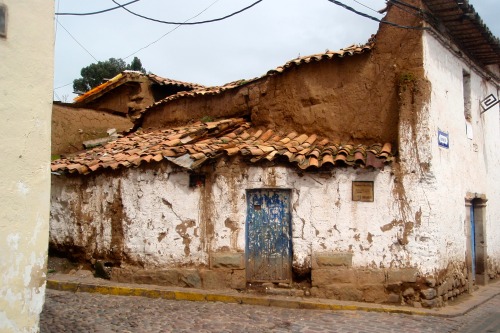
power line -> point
(406, 5)
(338, 3)
(57, 96)
(402, 6)
(57, 21)
(189, 23)
(65, 85)
(170, 31)
(362, 4)
(83, 47)
(98, 12)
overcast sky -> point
(241, 47)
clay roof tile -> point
(227, 136)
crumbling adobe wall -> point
(232, 103)
(71, 126)
(350, 99)
(127, 98)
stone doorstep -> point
(85, 283)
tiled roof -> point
(193, 145)
(215, 90)
(169, 82)
(465, 26)
(132, 76)
(348, 51)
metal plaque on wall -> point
(362, 191)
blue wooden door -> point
(268, 236)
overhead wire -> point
(170, 31)
(83, 47)
(65, 85)
(362, 4)
(57, 21)
(144, 47)
(338, 3)
(406, 5)
(97, 12)
(190, 23)
(416, 12)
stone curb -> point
(275, 301)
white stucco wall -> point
(325, 219)
(166, 223)
(26, 71)
(469, 165)
(158, 212)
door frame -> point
(476, 249)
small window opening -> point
(467, 103)
(467, 95)
(3, 21)
(196, 180)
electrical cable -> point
(406, 5)
(362, 4)
(57, 21)
(83, 47)
(67, 84)
(338, 3)
(172, 30)
(142, 48)
(98, 12)
(189, 23)
(420, 13)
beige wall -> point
(26, 75)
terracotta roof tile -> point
(206, 141)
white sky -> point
(241, 47)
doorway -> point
(268, 236)
(476, 239)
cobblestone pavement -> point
(85, 312)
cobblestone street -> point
(86, 312)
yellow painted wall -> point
(26, 75)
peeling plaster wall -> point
(166, 223)
(26, 72)
(147, 218)
(469, 165)
(325, 219)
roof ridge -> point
(352, 50)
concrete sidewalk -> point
(84, 281)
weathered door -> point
(268, 236)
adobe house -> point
(369, 171)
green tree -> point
(136, 65)
(96, 73)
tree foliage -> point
(96, 73)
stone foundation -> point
(227, 271)
(334, 277)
